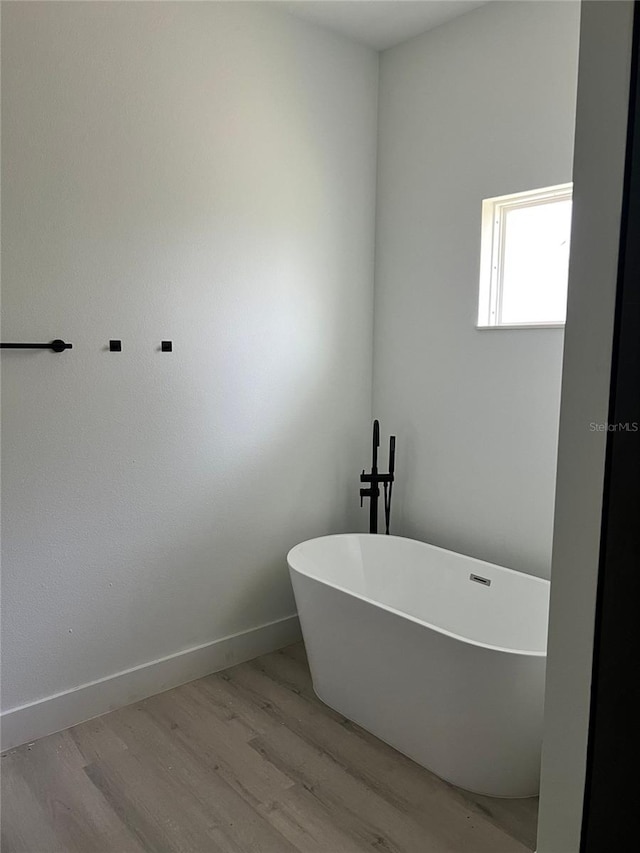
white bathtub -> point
(448, 670)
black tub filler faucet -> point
(374, 478)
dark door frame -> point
(612, 788)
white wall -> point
(206, 173)
(601, 127)
(479, 107)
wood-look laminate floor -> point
(243, 761)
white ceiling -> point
(380, 23)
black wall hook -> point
(115, 346)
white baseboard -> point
(52, 714)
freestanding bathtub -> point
(440, 655)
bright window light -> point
(525, 258)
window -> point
(524, 260)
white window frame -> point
(492, 250)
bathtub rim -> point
(459, 637)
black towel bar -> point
(54, 346)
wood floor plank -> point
(235, 821)
(151, 823)
(244, 761)
(148, 785)
(246, 715)
(288, 670)
(95, 740)
(80, 818)
(519, 817)
(310, 826)
(27, 828)
(187, 719)
(296, 651)
(295, 814)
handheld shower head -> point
(376, 444)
